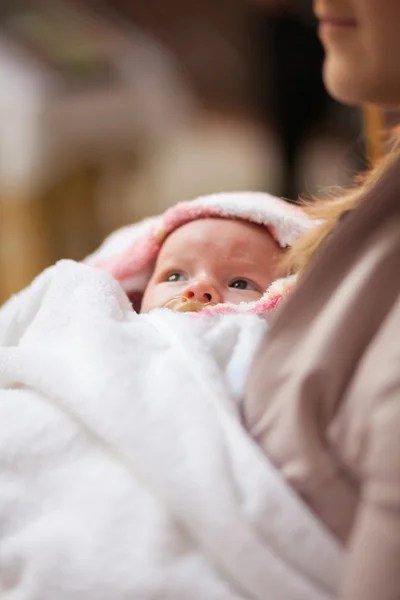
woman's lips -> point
(329, 26)
(337, 22)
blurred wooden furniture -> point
(22, 241)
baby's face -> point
(210, 261)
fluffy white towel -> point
(125, 473)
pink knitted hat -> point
(129, 254)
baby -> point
(212, 261)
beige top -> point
(324, 393)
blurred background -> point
(112, 110)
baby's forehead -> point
(220, 240)
(214, 228)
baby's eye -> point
(242, 284)
(175, 276)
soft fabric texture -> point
(125, 471)
(324, 394)
(129, 254)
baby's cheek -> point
(159, 295)
(148, 299)
(237, 296)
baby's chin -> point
(179, 305)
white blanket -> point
(125, 473)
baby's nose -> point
(203, 291)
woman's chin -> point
(343, 86)
(356, 86)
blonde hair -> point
(329, 211)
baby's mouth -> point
(183, 304)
